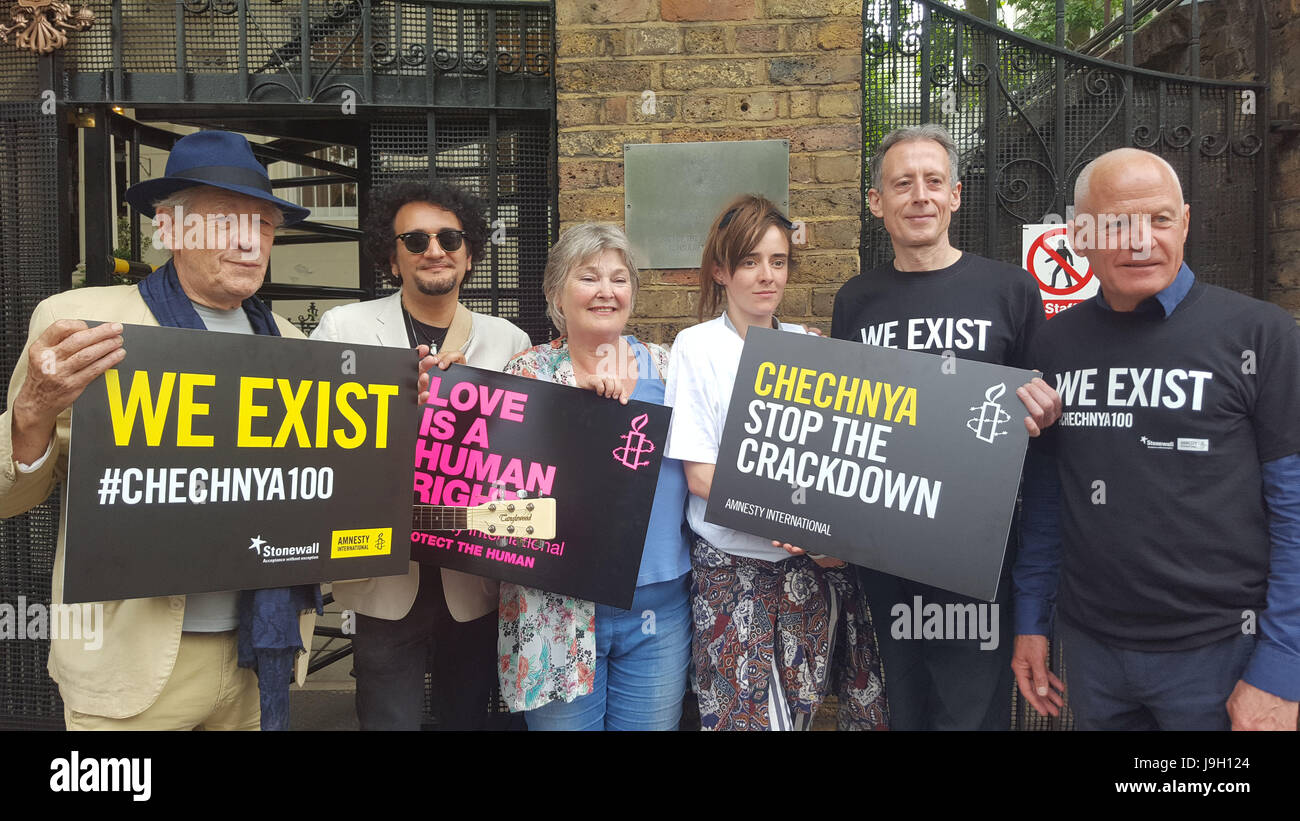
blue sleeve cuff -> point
(1033, 616)
(1275, 670)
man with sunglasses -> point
(935, 298)
(426, 237)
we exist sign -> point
(903, 462)
(214, 461)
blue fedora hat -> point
(217, 158)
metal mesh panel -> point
(148, 41)
(28, 274)
(410, 39)
(17, 75)
(1026, 119)
(508, 281)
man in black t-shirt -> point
(1167, 498)
(935, 298)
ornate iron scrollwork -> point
(941, 75)
(1248, 145)
(875, 39)
(445, 60)
(224, 7)
(1144, 136)
(1014, 190)
(381, 57)
(541, 64)
(342, 18)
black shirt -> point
(1166, 421)
(977, 308)
(418, 333)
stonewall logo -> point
(274, 555)
(348, 544)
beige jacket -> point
(488, 342)
(140, 636)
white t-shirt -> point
(701, 373)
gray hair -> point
(575, 246)
(928, 131)
(186, 197)
(1084, 181)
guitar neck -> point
(439, 517)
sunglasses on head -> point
(777, 215)
(417, 242)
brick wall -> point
(719, 70)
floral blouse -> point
(546, 642)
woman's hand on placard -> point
(610, 387)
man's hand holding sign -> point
(62, 361)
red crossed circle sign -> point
(1054, 258)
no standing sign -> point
(1064, 277)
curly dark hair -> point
(380, 238)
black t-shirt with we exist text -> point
(977, 308)
(1166, 420)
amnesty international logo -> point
(348, 544)
(985, 426)
(635, 444)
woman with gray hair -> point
(570, 663)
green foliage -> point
(1037, 19)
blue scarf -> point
(268, 619)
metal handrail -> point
(995, 30)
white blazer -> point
(488, 342)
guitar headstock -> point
(518, 518)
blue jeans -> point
(1115, 689)
(641, 663)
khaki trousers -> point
(207, 691)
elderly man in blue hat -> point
(175, 662)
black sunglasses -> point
(417, 242)
(777, 215)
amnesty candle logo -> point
(985, 426)
(347, 544)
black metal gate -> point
(350, 93)
(1027, 117)
(29, 272)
